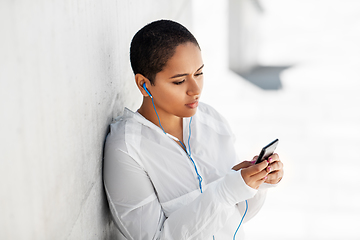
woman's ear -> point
(140, 80)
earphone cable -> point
(187, 152)
(241, 219)
(196, 170)
(152, 100)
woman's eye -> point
(198, 74)
(178, 83)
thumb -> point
(241, 165)
(255, 159)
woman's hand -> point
(253, 175)
(275, 169)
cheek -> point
(169, 96)
(201, 84)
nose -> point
(194, 87)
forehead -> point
(187, 59)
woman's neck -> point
(170, 123)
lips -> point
(193, 104)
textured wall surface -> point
(64, 74)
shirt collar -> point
(141, 119)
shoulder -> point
(122, 129)
(123, 140)
(209, 111)
(207, 115)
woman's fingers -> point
(269, 171)
(255, 175)
(260, 177)
(273, 158)
(245, 164)
(274, 177)
(254, 180)
(274, 166)
(275, 169)
(241, 165)
(254, 169)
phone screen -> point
(267, 151)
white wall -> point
(64, 74)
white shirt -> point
(152, 187)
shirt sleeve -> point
(137, 212)
(254, 205)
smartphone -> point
(267, 151)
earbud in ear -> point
(144, 86)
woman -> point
(170, 169)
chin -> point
(188, 113)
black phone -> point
(267, 151)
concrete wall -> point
(64, 74)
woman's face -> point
(178, 86)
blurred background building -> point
(275, 69)
(301, 85)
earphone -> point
(147, 91)
(188, 151)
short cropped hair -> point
(154, 44)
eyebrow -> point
(184, 74)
